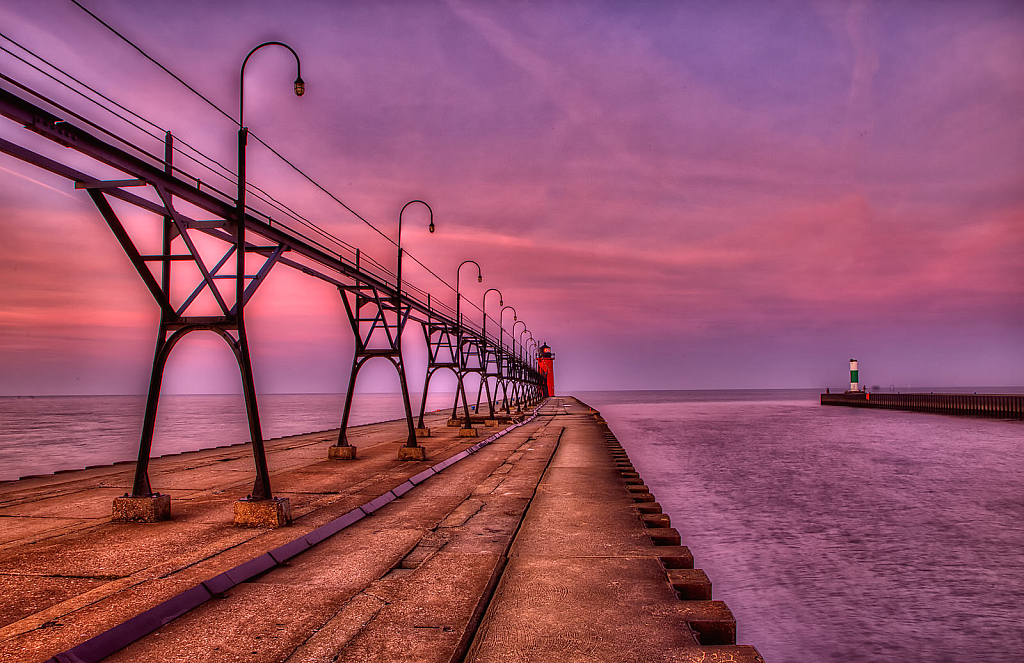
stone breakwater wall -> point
(998, 406)
(711, 622)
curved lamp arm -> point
(300, 85)
(483, 307)
(398, 275)
(458, 297)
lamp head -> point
(501, 303)
(480, 278)
(431, 226)
(300, 86)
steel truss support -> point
(175, 323)
(471, 360)
(504, 384)
(225, 222)
(442, 339)
(377, 324)
(491, 370)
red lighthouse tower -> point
(546, 366)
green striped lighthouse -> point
(854, 376)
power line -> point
(146, 55)
(262, 142)
(227, 115)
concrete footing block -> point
(656, 520)
(467, 432)
(643, 497)
(640, 488)
(664, 536)
(422, 432)
(712, 620)
(453, 423)
(675, 557)
(690, 584)
(347, 452)
(142, 509)
(649, 507)
(275, 512)
(411, 453)
(491, 423)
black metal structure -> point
(442, 339)
(377, 324)
(377, 307)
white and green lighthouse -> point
(854, 376)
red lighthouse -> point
(546, 366)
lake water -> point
(834, 534)
(45, 433)
(841, 534)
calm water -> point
(42, 434)
(841, 534)
(835, 534)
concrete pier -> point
(543, 544)
(999, 406)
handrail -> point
(331, 266)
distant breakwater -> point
(998, 406)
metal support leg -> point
(400, 366)
(342, 436)
(423, 401)
(468, 424)
(490, 401)
(261, 487)
(140, 486)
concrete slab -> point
(411, 581)
(585, 580)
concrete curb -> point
(711, 622)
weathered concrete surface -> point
(585, 580)
(536, 531)
(67, 572)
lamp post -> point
(523, 331)
(501, 323)
(513, 335)
(261, 488)
(532, 356)
(243, 131)
(243, 136)
(398, 275)
(458, 297)
(520, 373)
(483, 307)
(484, 374)
(501, 348)
(461, 390)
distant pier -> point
(998, 406)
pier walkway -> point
(541, 545)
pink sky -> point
(673, 195)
